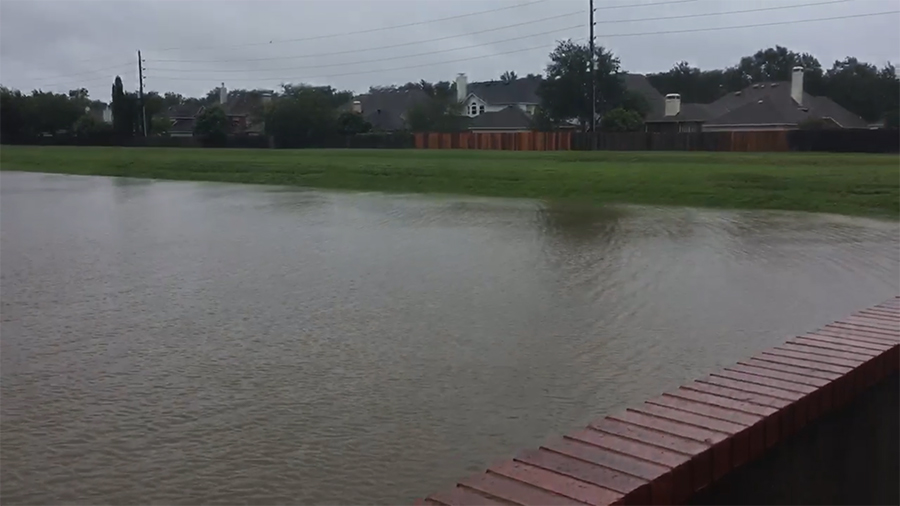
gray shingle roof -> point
(522, 90)
(184, 111)
(182, 126)
(385, 109)
(638, 83)
(764, 104)
(509, 117)
(386, 121)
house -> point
(762, 106)
(498, 106)
(100, 111)
(244, 113)
(490, 106)
(386, 109)
(183, 118)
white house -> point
(498, 105)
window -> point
(481, 109)
(473, 109)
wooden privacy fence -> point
(699, 141)
(507, 141)
(861, 141)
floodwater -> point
(192, 343)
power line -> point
(419, 42)
(415, 23)
(775, 23)
(71, 83)
(427, 53)
(367, 49)
(544, 47)
(707, 14)
(89, 72)
(295, 79)
(370, 30)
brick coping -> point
(670, 447)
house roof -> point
(386, 109)
(688, 113)
(509, 117)
(639, 84)
(384, 120)
(184, 110)
(764, 104)
(522, 90)
(182, 125)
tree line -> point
(300, 115)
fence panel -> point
(859, 141)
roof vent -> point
(762, 85)
(755, 86)
(774, 85)
(759, 101)
(804, 109)
(737, 93)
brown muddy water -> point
(195, 343)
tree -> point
(693, 84)
(87, 126)
(508, 76)
(124, 110)
(14, 120)
(541, 121)
(864, 89)
(49, 113)
(633, 101)
(334, 97)
(566, 91)
(350, 123)
(171, 99)
(440, 113)
(212, 97)
(212, 126)
(80, 98)
(303, 116)
(622, 120)
(160, 125)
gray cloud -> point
(63, 44)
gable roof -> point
(509, 117)
(522, 90)
(184, 110)
(182, 126)
(396, 102)
(386, 109)
(764, 104)
(639, 84)
(383, 120)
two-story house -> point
(498, 106)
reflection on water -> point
(186, 343)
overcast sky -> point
(64, 44)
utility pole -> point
(141, 93)
(593, 84)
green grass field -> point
(853, 184)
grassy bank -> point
(854, 184)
